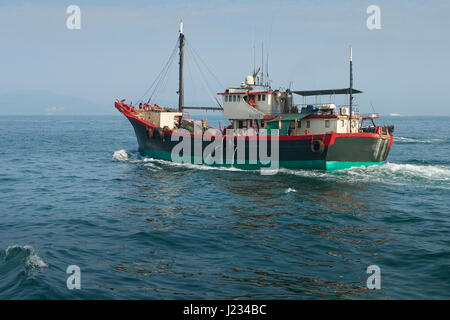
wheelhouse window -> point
(327, 123)
(238, 98)
(308, 124)
(259, 97)
(342, 123)
(263, 97)
(234, 98)
(226, 98)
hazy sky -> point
(404, 67)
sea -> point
(83, 215)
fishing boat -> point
(267, 129)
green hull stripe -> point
(295, 164)
(341, 165)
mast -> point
(181, 76)
(351, 88)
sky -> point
(122, 46)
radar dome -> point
(249, 80)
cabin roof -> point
(244, 92)
(326, 92)
(290, 116)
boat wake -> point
(436, 176)
(135, 157)
(17, 255)
(120, 155)
(432, 176)
(411, 140)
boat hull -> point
(320, 152)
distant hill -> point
(42, 102)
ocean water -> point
(75, 191)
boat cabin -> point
(158, 116)
(249, 107)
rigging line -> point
(163, 75)
(166, 66)
(161, 80)
(157, 77)
(383, 120)
(192, 80)
(191, 58)
(212, 96)
(193, 53)
(373, 109)
(270, 44)
(207, 68)
(164, 80)
(254, 51)
(205, 86)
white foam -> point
(16, 246)
(288, 190)
(400, 174)
(433, 173)
(305, 173)
(32, 259)
(389, 173)
(120, 155)
(417, 140)
(194, 166)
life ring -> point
(378, 130)
(317, 146)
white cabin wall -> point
(342, 128)
(317, 126)
(267, 106)
(240, 110)
(160, 119)
(168, 119)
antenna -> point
(351, 87)
(254, 59)
(262, 63)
